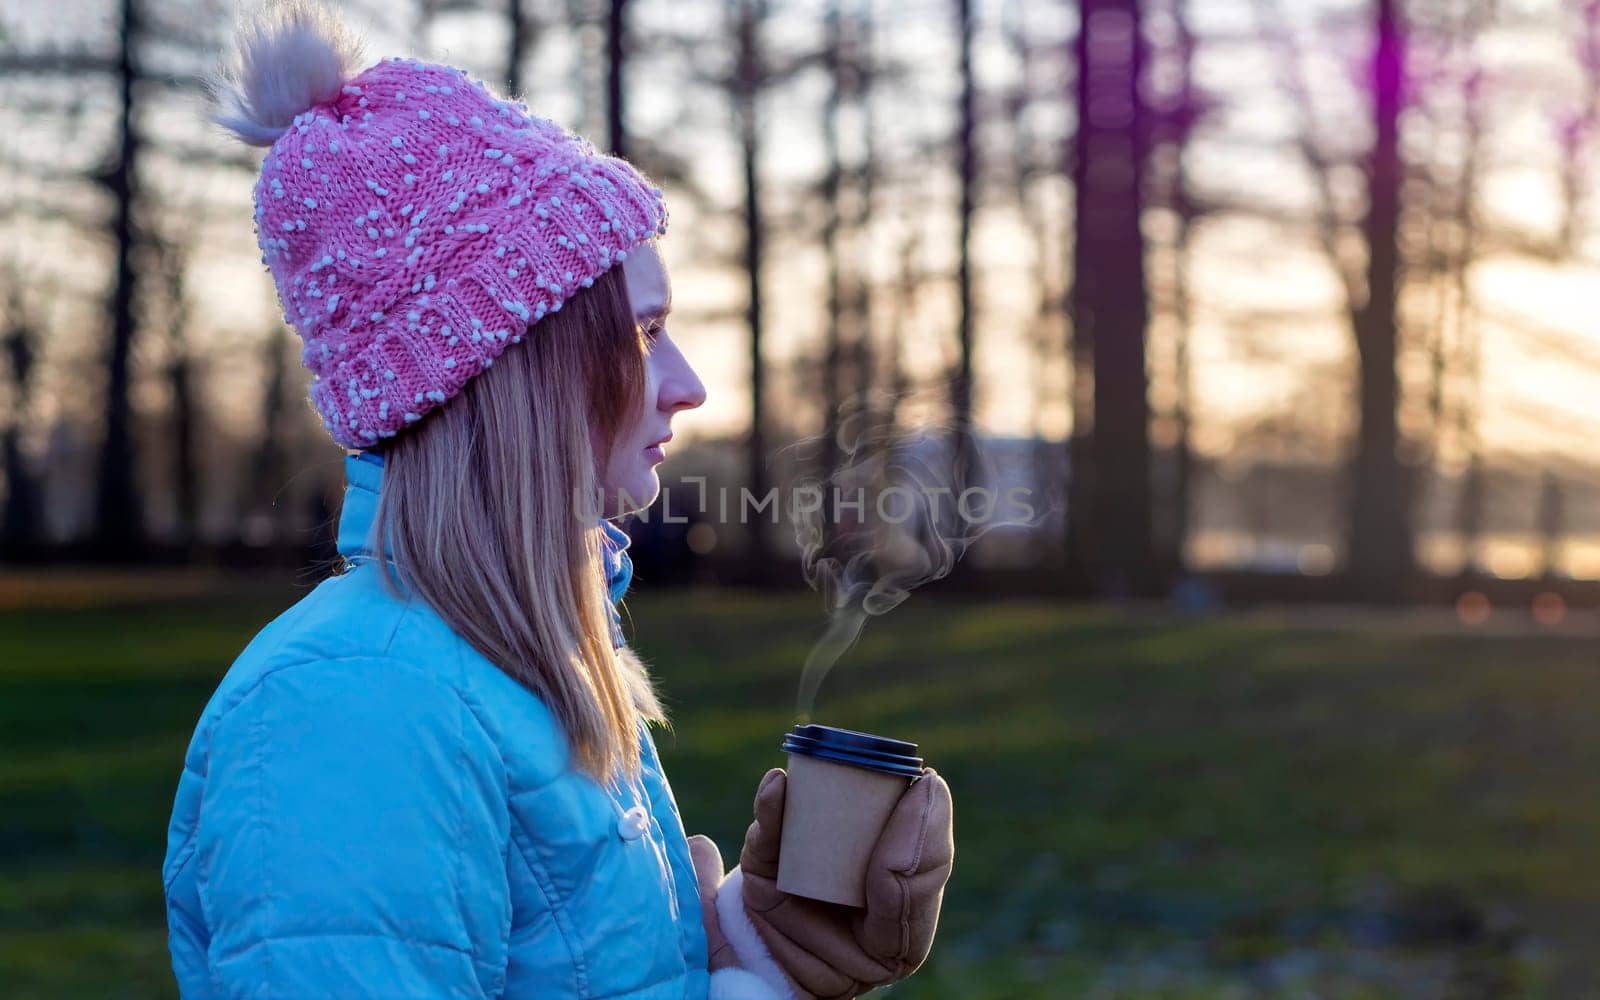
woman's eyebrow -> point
(661, 313)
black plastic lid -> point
(846, 746)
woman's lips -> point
(658, 451)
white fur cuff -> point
(747, 944)
(736, 984)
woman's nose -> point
(682, 388)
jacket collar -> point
(364, 482)
(363, 473)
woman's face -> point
(629, 480)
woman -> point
(433, 776)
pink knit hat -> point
(414, 223)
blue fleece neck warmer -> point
(619, 572)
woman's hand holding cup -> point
(829, 950)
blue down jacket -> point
(370, 808)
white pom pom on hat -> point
(287, 58)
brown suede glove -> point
(835, 952)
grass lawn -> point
(1146, 806)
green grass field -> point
(1146, 806)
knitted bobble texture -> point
(287, 59)
(415, 224)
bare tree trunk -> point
(1183, 407)
(1452, 228)
(1045, 325)
(1380, 551)
(1183, 401)
(185, 417)
(1181, 108)
(517, 34)
(832, 237)
(1109, 303)
(1576, 172)
(905, 296)
(180, 376)
(1081, 550)
(119, 518)
(422, 23)
(1468, 335)
(1552, 524)
(967, 160)
(1077, 529)
(862, 354)
(20, 525)
(1469, 513)
(268, 466)
(750, 73)
(19, 531)
(616, 56)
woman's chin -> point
(635, 496)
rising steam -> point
(928, 495)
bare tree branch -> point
(1291, 75)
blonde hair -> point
(480, 503)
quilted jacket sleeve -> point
(352, 838)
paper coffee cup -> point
(842, 787)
